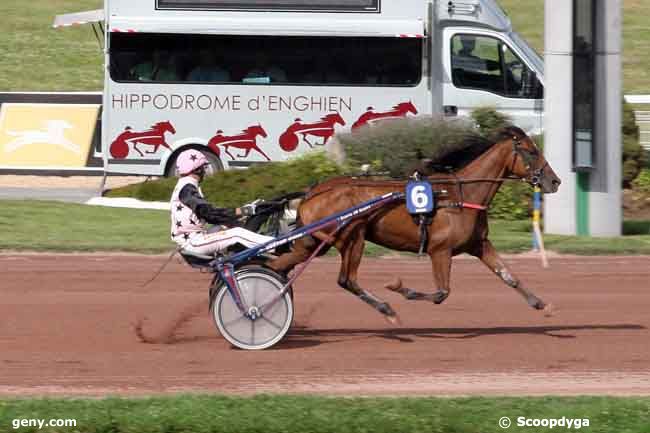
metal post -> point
(559, 208)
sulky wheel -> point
(268, 317)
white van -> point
(252, 81)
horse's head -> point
(256, 130)
(164, 127)
(527, 162)
(406, 107)
(335, 118)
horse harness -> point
(424, 220)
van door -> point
(483, 70)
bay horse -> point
(154, 136)
(480, 169)
(247, 141)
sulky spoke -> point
(232, 322)
(272, 323)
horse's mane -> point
(457, 155)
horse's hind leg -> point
(489, 256)
(441, 264)
(351, 248)
(300, 252)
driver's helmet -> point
(190, 160)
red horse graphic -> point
(247, 140)
(324, 129)
(155, 136)
(370, 117)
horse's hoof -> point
(393, 320)
(440, 296)
(386, 309)
(395, 285)
(549, 310)
(536, 303)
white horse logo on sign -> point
(53, 134)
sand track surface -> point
(83, 325)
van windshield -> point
(256, 60)
(530, 52)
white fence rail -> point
(642, 118)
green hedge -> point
(634, 155)
(234, 187)
(398, 146)
(642, 182)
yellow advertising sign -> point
(46, 135)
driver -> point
(191, 213)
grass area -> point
(515, 236)
(37, 57)
(50, 226)
(270, 414)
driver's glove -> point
(248, 209)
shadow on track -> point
(406, 335)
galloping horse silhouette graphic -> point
(54, 134)
(247, 140)
(324, 129)
(155, 136)
(370, 117)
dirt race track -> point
(67, 328)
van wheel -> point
(214, 162)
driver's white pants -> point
(207, 243)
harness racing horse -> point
(246, 141)
(154, 136)
(460, 226)
(323, 129)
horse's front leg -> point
(135, 147)
(304, 138)
(351, 249)
(441, 265)
(489, 256)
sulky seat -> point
(198, 261)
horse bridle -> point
(534, 176)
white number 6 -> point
(418, 197)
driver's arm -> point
(191, 198)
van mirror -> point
(533, 88)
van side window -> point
(485, 63)
(264, 60)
